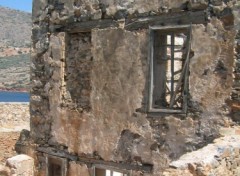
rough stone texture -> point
(21, 165)
(78, 10)
(62, 11)
(23, 144)
(78, 71)
(7, 142)
(89, 90)
(13, 115)
(236, 89)
(4, 171)
(218, 159)
(211, 66)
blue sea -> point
(14, 96)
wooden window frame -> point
(184, 74)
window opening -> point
(56, 166)
(169, 68)
(109, 172)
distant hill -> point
(15, 27)
(15, 43)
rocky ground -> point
(7, 142)
(221, 158)
(13, 118)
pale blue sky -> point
(23, 5)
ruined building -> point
(124, 87)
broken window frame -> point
(56, 161)
(112, 169)
(181, 83)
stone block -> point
(234, 165)
(236, 152)
(237, 160)
(197, 5)
(192, 167)
(237, 171)
(200, 171)
(216, 2)
(224, 152)
(21, 165)
(223, 163)
(229, 165)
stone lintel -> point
(197, 17)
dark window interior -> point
(54, 167)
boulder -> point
(21, 165)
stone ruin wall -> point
(89, 88)
(235, 94)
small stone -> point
(229, 165)
(234, 165)
(216, 2)
(36, 98)
(201, 171)
(225, 152)
(215, 163)
(97, 15)
(237, 171)
(197, 5)
(121, 14)
(236, 152)
(192, 167)
(223, 163)
(237, 160)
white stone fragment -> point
(21, 165)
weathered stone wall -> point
(62, 11)
(90, 89)
(235, 104)
(78, 71)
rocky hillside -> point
(15, 28)
(15, 43)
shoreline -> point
(14, 90)
(14, 103)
